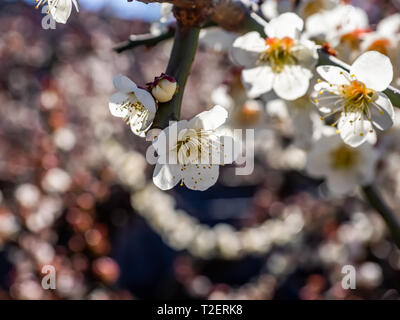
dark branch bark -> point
(179, 66)
(147, 40)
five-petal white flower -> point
(59, 9)
(343, 167)
(357, 96)
(331, 25)
(191, 151)
(282, 62)
(135, 105)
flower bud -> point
(163, 88)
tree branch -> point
(148, 40)
(179, 66)
(392, 220)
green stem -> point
(392, 220)
(179, 66)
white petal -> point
(277, 108)
(115, 105)
(382, 118)
(61, 11)
(246, 49)
(317, 25)
(139, 125)
(124, 84)
(373, 69)
(327, 102)
(286, 25)
(317, 164)
(389, 26)
(318, 160)
(227, 149)
(292, 83)
(168, 138)
(334, 75)
(306, 53)
(221, 96)
(209, 120)
(356, 132)
(200, 177)
(326, 97)
(166, 176)
(146, 99)
(258, 80)
(342, 182)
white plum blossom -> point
(357, 96)
(386, 41)
(389, 26)
(192, 151)
(282, 62)
(386, 37)
(330, 25)
(135, 105)
(60, 10)
(342, 166)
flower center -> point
(344, 157)
(380, 45)
(192, 146)
(134, 107)
(278, 53)
(357, 97)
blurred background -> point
(76, 192)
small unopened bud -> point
(163, 88)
